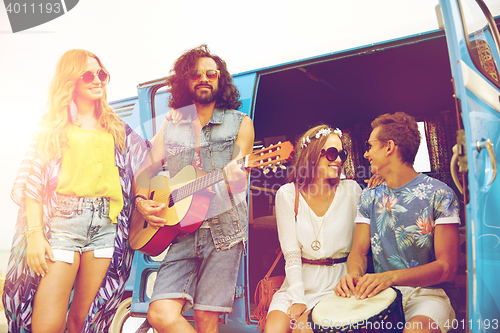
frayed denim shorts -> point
(80, 225)
(193, 270)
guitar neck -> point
(199, 184)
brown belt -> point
(325, 262)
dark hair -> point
(228, 97)
(403, 130)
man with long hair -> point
(200, 269)
(411, 223)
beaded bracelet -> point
(355, 274)
(137, 199)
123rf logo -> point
(25, 14)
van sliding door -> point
(473, 44)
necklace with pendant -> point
(316, 244)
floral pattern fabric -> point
(402, 221)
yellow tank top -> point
(88, 168)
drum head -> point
(335, 311)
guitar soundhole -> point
(171, 200)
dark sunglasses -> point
(368, 144)
(211, 74)
(101, 74)
(332, 153)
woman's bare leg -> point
(278, 322)
(50, 305)
(88, 281)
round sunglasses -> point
(101, 74)
(332, 153)
(211, 74)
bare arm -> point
(149, 208)
(237, 178)
(446, 246)
(356, 262)
(38, 245)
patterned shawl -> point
(38, 181)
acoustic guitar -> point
(187, 198)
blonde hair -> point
(55, 122)
(303, 170)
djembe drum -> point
(382, 313)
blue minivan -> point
(448, 79)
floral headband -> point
(320, 133)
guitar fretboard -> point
(197, 185)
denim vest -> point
(227, 213)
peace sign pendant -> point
(316, 245)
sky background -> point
(139, 40)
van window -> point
(481, 40)
(422, 161)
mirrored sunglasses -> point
(101, 74)
(211, 74)
(332, 153)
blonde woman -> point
(315, 244)
(73, 193)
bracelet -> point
(137, 199)
(355, 274)
(32, 230)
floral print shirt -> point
(402, 221)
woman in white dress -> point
(317, 243)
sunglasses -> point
(368, 144)
(101, 74)
(332, 153)
(211, 74)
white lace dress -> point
(308, 284)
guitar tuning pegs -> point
(261, 154)
(275, 168)
(282, 167)
(266, 171)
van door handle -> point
(491, 152)
(459, 159)
(454, 173)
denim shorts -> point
(193, 270)
(80, 225)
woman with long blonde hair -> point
(73, 192)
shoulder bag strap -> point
(296, 209)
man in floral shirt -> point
(411, 223)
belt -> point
(324, 262)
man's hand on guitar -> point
(235, 177)
(148, 209)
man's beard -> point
(204, 98)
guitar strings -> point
(196, 185)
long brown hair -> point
(54, 125)
(303, 169)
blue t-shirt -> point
(402, 221)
